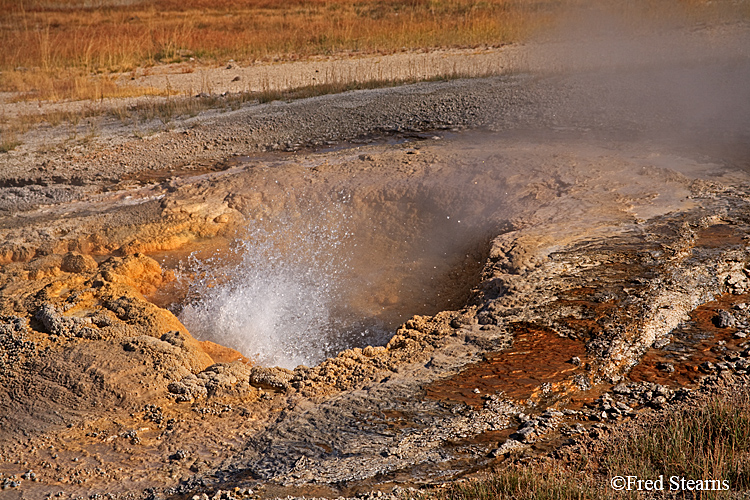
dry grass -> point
(122, 38)
(708, 441)
(530, 483)
(68, 83)
(8, 141)
(181, 106)
(51, 49)
(66, 49)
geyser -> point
(325, 266)
(334, 256)
(277, 300)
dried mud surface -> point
(613, 263)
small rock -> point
(507, 447)
(660, 400)
(77, 263)
(662, 343)
(526, 434)
(621, 388)
(665, 367)
(575, 360)
(551, 412)
(707, 367)
(723, 320)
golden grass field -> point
(52, 49)
(63, 49)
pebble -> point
(723, 319)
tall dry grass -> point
(706, 442)
(56, 49)
(709, 440)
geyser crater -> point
(331, 269)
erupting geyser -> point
(279, 300)
(323, 268)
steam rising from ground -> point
(654, 70)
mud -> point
(473, 293)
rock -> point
(508, 446)
(723, 320)
(661, 343)
(272, 379)
(707, 367)
(188, 389)
(77, 263)
(58, 324)
(621, 388)
(658, 402)
(220, 379)
(174, 337)
(526, 434)
(665, 367)
(623, 407)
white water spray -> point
(278, 301)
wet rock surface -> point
(612, 282)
